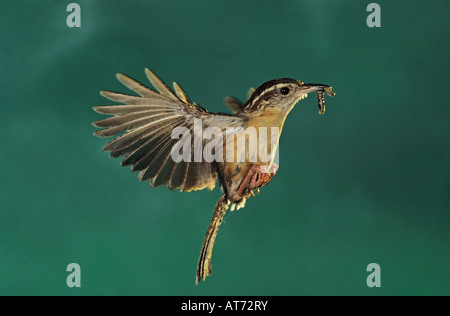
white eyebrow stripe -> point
(269, 90)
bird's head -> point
(282, 94)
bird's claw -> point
(257, 176)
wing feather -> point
(142, 126)
(137, 87)
(181, 94)
(157, 99)
(125, 109)
(155, 123)
(159, 85)
(132, 126)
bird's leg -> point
(204, 267)
(263, 176)
(256, 177)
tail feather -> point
(204, 267)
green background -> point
(367, 182)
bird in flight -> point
(174, 142)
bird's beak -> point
(313, 87)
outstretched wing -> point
(143, 127)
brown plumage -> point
(144, 136)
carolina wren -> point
(144, 128)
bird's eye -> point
(284, 90)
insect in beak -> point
(320, 89)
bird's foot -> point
(257, 176)
(262, 176)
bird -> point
(153, 132)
